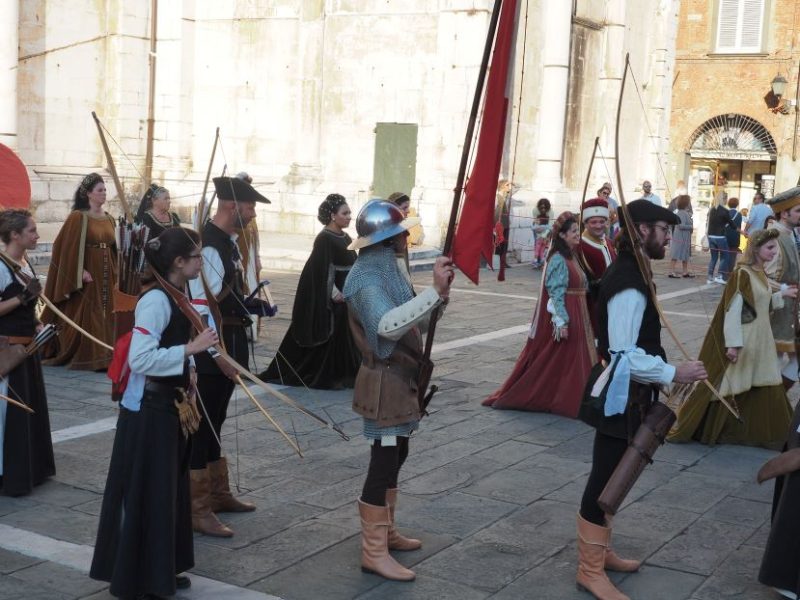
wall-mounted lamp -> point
(778, 85)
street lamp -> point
(778, 85)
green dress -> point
(753, 382)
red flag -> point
(475, 226)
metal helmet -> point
(380, 220)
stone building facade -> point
(729, 131)
(315, 96)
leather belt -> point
(403, 371)
(19, 339)
(158, 387)
(240, 321)
(100, 245)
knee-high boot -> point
(592, 545)
(222, 500)
(375, 557)
(203, 519)
(397, 541)
(614, 562)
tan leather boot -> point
(203, 520)
(222, 500)
(592, 545)
(614, 562)
(375, 557)
(397, 541)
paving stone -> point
(451, 477)
(55, 493)
(551, 579)
(12, 588)
(423, 587)
(744, 513)
(655, 583)
(510, 452)
(701, 547)
(557, 432)
(695, 492)
(57, 522)
(754, 491)
(760, 537)
(455, 514)
(683, 454)
(662, 523)
(10, 504)
(736, 462)
(520, 487)
(60, 579)
(737, 579)
(12, 561)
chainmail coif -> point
(375, 286)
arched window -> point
(733, 137)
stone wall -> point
(297, 87)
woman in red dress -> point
(552, 370)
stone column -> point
(556, 24)
(9, 61)
(611, 78)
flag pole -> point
(424, 394)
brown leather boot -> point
(221, 498)
(375, 557)
(397, 541)
(592, 545)
(614, 562)
(203, 520)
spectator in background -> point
(680, 247)
(733, 234)
(758, 214)
(613, 206)
(718, 219)
(648, 195)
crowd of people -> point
(358, 322)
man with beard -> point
(784, 269)
(222, 278)
(629, 342)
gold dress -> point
(85, 242)
(742, 319)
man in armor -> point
(387, 322)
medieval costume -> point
(145, 533)
(219, 290)
(740, 321)
(634, 364)
(85, 242)
(594, 253)
(785, 269)
(155, 226)
(26, 449)
(562, 301)
(248, 243)
(386, 321)
(146, 216)
(318, 349)
(780, 567)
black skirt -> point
(780, 566)
(27, 446)
(145, 533)
(331, 365)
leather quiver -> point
(11, 355)
(649, 436)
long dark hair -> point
(80, 201)
(162, 251)
(13, 220)
(557, 244)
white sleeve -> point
(625, 312)
(395, 323)
(213, 270)
(732, 326)
(153, 312)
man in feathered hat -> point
(784, 269)
(387, 322)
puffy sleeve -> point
(556, 280)
(213, 270)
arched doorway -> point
(734, 154)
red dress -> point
(550, 376)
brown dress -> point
(85, 242)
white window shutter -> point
(751, 26)
(728, 24)
(740, 26)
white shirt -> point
(653, 198)
(625, 313)
(153, 312)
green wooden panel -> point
(395, 165)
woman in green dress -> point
(738, 353)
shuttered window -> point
(740, 26)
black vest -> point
(621, 275)
(22, 320)
(177, 333)
(231, 294)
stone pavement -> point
(492, 494)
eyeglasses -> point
(663, 228)
(605, 192)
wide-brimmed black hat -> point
(644, 211)
(233, 188)
(785, 200)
